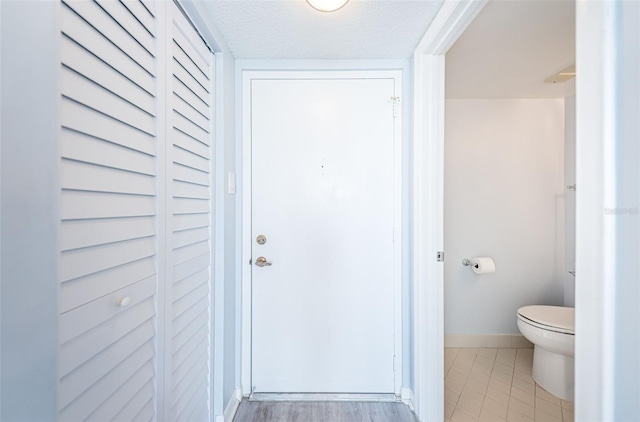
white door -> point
(323, 198)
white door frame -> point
(247, 76)
(428, 203)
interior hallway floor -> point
(323, 411)
(496, 385)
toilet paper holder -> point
(480, 265)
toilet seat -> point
(558, 319)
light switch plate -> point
(231, 183)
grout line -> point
(521, 358)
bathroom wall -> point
(570, 199)
(504, 198)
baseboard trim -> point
(321, 397)
(408, 398)
(232, 406)
(510, 341)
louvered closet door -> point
(108, 267)
(189, 186)
(135, 139)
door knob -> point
(261, 261)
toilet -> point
(551, 330)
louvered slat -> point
(186, 126)
(191, 141)
(190, 206)
(190, 113)
(129, 23)
(187, 158)
(86, 92)
(150, 6)
(187, 221)
(77, 205)
(108, 209)
(121, 397)
(195, 406)
(187, 253)
(137, 9)
(77, 234)
(85, 318)
(182, 58)
(190, 314)
(136, 404)
(100, 20)
(190, 82)
(88, 65)
(191, 346)
(190, 43)
(184, 141)
(189, 237)
(87, 374)
(187, 95)
(83, 290)
(189, 190)
(80, 147)
(117, 385)
(100, 46)
(190, 175)
(85, 261)
(76, 175)
(82, 119)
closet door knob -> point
(124, 301)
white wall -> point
(570, 199)
(226, 161)
(28, 288)
(504, 198)
(608, 211)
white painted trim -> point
(428, 203)
(217, 292)
(232, 405)
(164, 22)
(428, 235)
(245, 266)
(607, 246)
(213, 234)
(506, 341)
(450, 22)
(593, 114)
(397, 234)
(200, 17)
(323, 397)
(325, 73)
(408, 398)
(245, 65)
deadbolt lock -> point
(261, 240)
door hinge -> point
(250, 261)
(395, 101)
(440, 256)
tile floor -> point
(496, 385)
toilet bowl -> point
(551, 330)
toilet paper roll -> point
(483, 265)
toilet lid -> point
(555, 318)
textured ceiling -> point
(510, 48)
(291, 29)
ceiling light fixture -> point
(327, 5)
